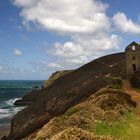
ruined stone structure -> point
(132, 59)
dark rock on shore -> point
(66, 92)
(28, 99)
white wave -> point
(14, 110)
(8, 109)
(8, 113)
(2, 116)
(4, 113)
(11, 101)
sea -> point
(10, 91)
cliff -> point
(55, 76)
(65, 92)
(32, 96)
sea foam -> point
(10, 102)
(9, 110)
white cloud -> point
(125, 25)
(86, 23)
(45, 66)
(54, 65)
(65, 16)
(3, 68)
(86, 48)
(24, 3)
(17, 52)
(68, 49)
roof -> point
(129, 47)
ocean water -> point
(10, 91)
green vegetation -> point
(137, 89)
(127, 129)
(71, 111)
(116, 86)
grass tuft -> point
(126, 129)
(71, 111)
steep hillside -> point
(80, 122)
(32, 96)
(65, 92)
(55, 76)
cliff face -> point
(65, 92)
(32, 96)
(55, 76)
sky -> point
(39, 37)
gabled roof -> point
(132, 44)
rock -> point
(22, 102)
(28, 99)
(55, 76)
(3, 138)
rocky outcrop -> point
(32, 96)
(55, 76)
(28, 99)
(66, 92)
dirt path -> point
(134, 94)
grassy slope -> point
(127, 129)
(95, 119)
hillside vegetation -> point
(106, 115)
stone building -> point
(132, 59)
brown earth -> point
(134, 94)
(4, 133)
(66, 92)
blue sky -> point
(40, 37)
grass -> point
(127, 129)
(137, 89)
(116, 86)
(71, 111)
